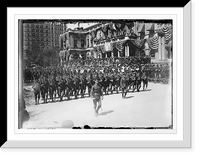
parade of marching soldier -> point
(97, 74)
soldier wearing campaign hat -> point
(97, 96)
(123, 85)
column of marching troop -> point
(58, 83)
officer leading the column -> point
(97, 96)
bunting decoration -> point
(141, 43)
(119, 45)
(108, 47)
(154, 42)
(136, 42)
(166, 30)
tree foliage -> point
(45, 57)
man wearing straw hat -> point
(97, 96)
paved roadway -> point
(151, 108)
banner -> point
(154, 42)
(167, 31)
(119, 45)
(108, 47)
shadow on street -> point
(128, 97)
(106, 112)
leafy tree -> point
(51, 56)
(45, 57)
(31, 56)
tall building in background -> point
(44, 35)
(57, 29)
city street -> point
(151, 108)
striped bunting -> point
(119, 45)
(166, 30)
(154, 42)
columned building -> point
(117, 39)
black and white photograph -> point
(99, 77)
(95, 74)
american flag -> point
(166, 30)
(119, 45)
(154, 42)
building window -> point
(75, 43)
(88, 44)
(82, 43)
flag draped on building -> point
(119, 45)
(108, 47)
(136, 42)
(166, 30)
(154, 42)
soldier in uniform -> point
(76, 86)
(133, 81)
(167, 73)
(44, 88)
(128, 80)
(82, 85)
(152, 69)
(61, 87)
(51, 87)
(89, 82)
(97, 96)
(36, 89)
(112, 83)
(159, 73)
(144, 80)
(69, 87)
(123, 85)
(104, 84)
(101, 80)
(156, 72)
(107, 83)
(56, 79)
(117, 79)
(138, 81)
